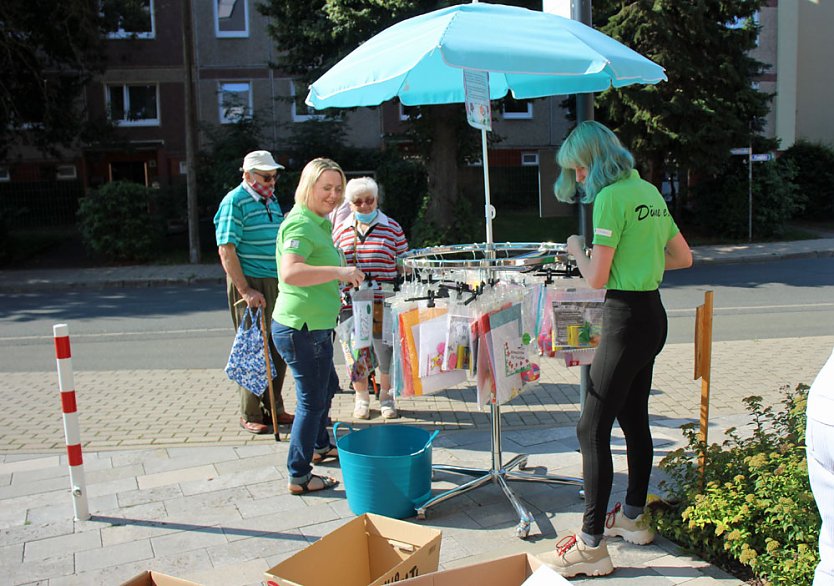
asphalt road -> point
(189, 327)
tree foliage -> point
(708, 105)
(814, 178)
(313, 36)
(48, 52)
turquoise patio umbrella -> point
(531, 54)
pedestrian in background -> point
(635, 239)
(372, 241)
(819, 438)
(310, 268)
(246, 226)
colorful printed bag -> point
(247, 363)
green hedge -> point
(120, 222)
(756, 510)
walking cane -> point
(269, 379)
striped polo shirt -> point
(244, 220)
(376, 252)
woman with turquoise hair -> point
(635, 240)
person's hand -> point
(576, 245)
(253, 298)
(352, 275)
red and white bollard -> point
(66, 384)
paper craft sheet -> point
(484, 377)
(509, 358)
(411, 341)
(432, 345)
(457, 353)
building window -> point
(66, 172)
(5, 176)
(301, 112)
(517, 109)
(234, 101)
(231, 18)
(132, 20)
(133, 105)
(529, 159)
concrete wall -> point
(815, 88)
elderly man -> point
(246, 226)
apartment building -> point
(142, 93)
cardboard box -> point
(511, 570)
(148, 578)
(370, 550)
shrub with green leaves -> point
(756, 508)
(722, 203)
(815, 177)
(119, 222)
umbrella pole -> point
(269, 379)
(489, 211)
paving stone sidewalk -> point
(176, 486)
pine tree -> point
(709, 105)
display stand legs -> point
(515, 469)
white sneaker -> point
(637, 531)
(388, 410)
(573, 556)
(361, 409)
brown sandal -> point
(331, 454)
(304, 487)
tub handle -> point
(428, 443)
(336, 427)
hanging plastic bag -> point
(247, 363)
(360, 362)
(363, 315)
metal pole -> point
(488, 210)
(581, 11)
(750, 192)
(69, 406)
(190, 132)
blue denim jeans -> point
(309, 356)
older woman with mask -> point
(310, 268)
(371, 241)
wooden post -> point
(271, 391)
(703, 359)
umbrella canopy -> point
(533, 54)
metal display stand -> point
(543, 258)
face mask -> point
(365, 218)
(263, 190)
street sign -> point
(762, 157)
(740, 151)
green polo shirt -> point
(308, 235)
(631, 217)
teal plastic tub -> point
(386, 468)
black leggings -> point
(633, 332)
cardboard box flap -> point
(148, 578)
(369, 550)
(510, 570)
(346, 547)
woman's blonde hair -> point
(311, 173)
(595, 147)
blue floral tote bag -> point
(247, 363)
